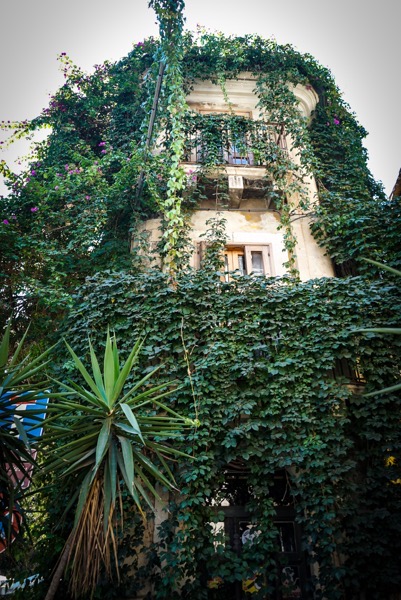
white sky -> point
(358, 42)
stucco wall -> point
(247, 220)
(256, 226)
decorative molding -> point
(307, 98)
(207, 95)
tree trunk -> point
(62, 562)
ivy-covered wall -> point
(255, 356)
(74, 211)
(261, 356)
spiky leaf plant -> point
(383, 330)
(17, 376)
(104, 436)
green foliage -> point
(256, 356)
(261, 357)
(385, 330)
(18, 375)
(98, 436)
(74, 211)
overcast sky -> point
(358, 42)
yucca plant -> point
(17, 376)
(104, 436)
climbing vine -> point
(88, 170)
(261, 356)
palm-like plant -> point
(383, 330)
(17, 376)
(105, 436)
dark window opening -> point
(347, 268)
(343, 369)
(240, 531)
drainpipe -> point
(139, 186)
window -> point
(344, 369)
(247, 259)
(233, 145)
(239, 530)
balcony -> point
(243, 146)
(232, 140)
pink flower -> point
(336, 121)
(103, 152)
(87, 197)
(13, 217)
(102, 144)
(6, 222)
(66, 167)
(34, 209)
(57, 187)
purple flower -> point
(87, 197)
(140, 44)
(6, 222)
(34, 209)
(33, 172)
(56, 188)
(102, 144)
(103, 152)
(66, 167)
(336, 121)
(13, 217)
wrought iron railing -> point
(232, 140)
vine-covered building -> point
(253, 204)
(210, 195)
(230, 135)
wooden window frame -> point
(245, 249)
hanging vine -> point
(171, 23)
(260, 352)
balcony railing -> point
(232, 140)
